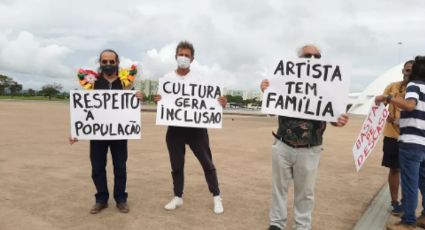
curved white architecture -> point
(363, 103)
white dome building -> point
(362, 104)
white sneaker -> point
(174, 203)
(218, 206)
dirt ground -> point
(45, 183)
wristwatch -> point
(388, 99)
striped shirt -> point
(412, 124)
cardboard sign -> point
(307, 88)
(369, 135)
(189, 103)
(105, 114)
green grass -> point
(34, 98)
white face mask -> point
(183, 62)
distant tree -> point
(253, 101)
(51, 90)
(63, 95)
(15, 88)
(8, 83)
(5, 82)
(234, 99)
(31, 92)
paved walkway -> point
(377, 214)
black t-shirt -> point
(102, 83)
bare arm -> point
(408, 105)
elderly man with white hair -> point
(295, 156)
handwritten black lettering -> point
(191, 90)
(304, 68)
(300, 104)
(89, 115)
(107, 129)
(76, 97)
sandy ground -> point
(45, 183)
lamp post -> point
(399, 51)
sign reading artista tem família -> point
(307, 88)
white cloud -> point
(157, 63)
(74, 42)
(26, 54)
(226, 78)
(233, 39)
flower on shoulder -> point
(88, 86)
(123, 74)
(133, 70)
(90, 78)
(126, 83)
(87, 78)
(128, 75)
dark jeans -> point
(412, 169)
(98, 156)
(198, 141)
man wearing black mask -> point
(108, 79)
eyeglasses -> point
(105, 62)
(312, 55)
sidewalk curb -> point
(377, 214)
